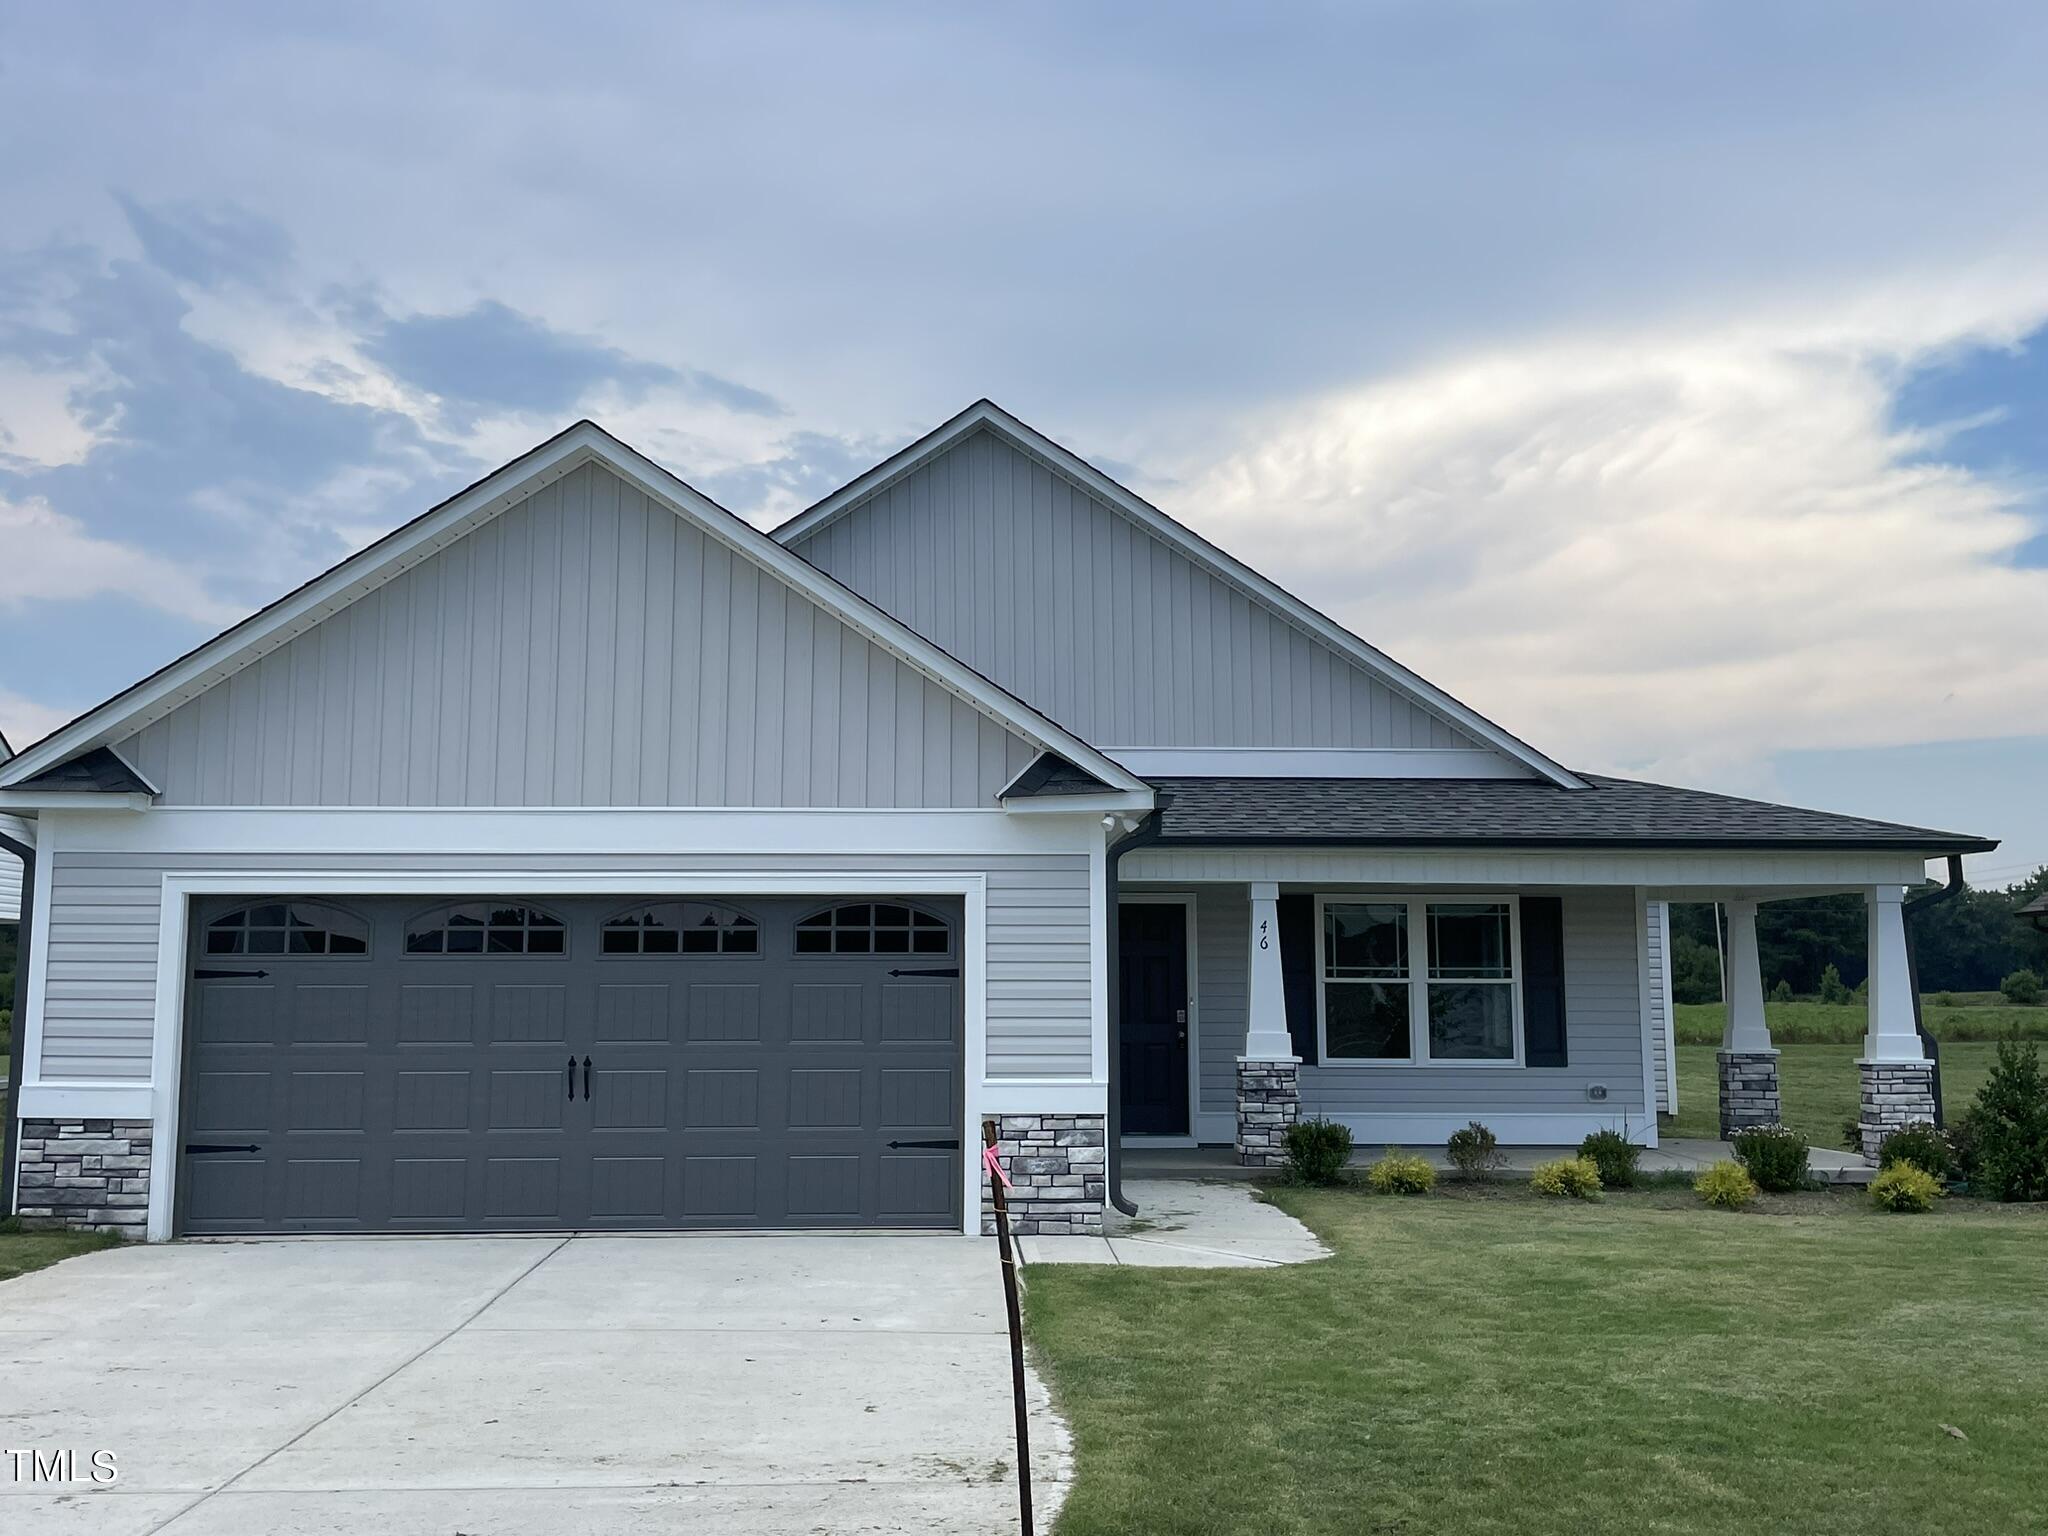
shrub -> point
(1401, 1173)
(1775, 1156)
(1575, 1178)
(2022, 987)
(1852, 1135)
(2008, 1128)
(1474, 1152)
(1920, 1145)
(1614, 1155)
(1317, 1150)
(1831, 988)
(1904, 1187)
(1782, 992)
(1945, 1000)
(1726, 1185)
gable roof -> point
(1609, 813)
(986, 416)
(583, 443)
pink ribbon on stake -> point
(994, 1165)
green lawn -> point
(21, 1251)
(1817, 1087)
(1975, 1016)
(1491, 1363)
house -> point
(10, 865)
(578, 856)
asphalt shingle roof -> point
(1612, 813)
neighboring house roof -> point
(585, 442)
(985, 415)
(2037, 909)
(1611, 813)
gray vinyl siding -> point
(585, 647)
(1603, 1022)
(1096, 623)
(100, 996)
(10, 888)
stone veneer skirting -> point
(1749, 1090)
(1894, 1094)
(91, 1175)
(1059, 1174)
(1268, 1102)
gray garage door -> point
(522, 1064)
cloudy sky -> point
(1670, 382)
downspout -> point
(1928, 1043)
(17, 1047)
(1147, 831)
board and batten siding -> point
(100, 990)
(1603, 1022)
(585, 647)
(1093, 621)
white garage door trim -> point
(179, 889)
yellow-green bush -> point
(1401, 1173)
(1725, 1184)
(1904, 1187)
(1567, 1178)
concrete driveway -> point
(491, 1386)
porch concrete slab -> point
(765, 1283)
(736, 1384)
(1187, 1224)
(850, 1510)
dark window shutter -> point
(1298, 971)
(1543, 980)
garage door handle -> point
(201, 1148)
(586, 1079)
(572, 1079)
(953, 1144)
(936, 970)
(202, 974)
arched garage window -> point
(486, 928)
(871, 928)
(682, 928)
(288, 928)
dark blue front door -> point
(1153, 967)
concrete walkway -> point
(521, 1387)
(1677, 1154)
(1187, 1224)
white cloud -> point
(24, 721)
(1672, 557)
(51, 557)
(38, 428)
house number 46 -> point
(1265, 942)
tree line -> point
(1969, 943)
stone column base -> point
(89, 1175)
(1059, 1175)
(1268, 1102)
(1749, 1090)
(1894, 1094)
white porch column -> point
(1896, 1078)
(1268, 1073)
(1748, 1061)
(1266, 1037)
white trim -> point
(70, 800)
(1670, 1002)
(1075, 805)
(1318, 762)
(1518, 1130)
(578, 831)
(29, 1016)
(1185, 900)
(1672, 874)
(985, 414)
(179, 889)
(584, 443)
(83, 1101)
(1040, 1096)
(1418, 981)
(1098, 957)
(1645, 1011)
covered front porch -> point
(1411, 983)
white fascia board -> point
(510, 832)
(584, 443)
(41, 800)
(985, 414)
(1077, 805)
(1318, 763)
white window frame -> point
(1418, 982)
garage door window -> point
(288, 928)
(682, 928)
(482, 928)
(871, 928)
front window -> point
(1414, 980)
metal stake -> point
(997, 1185)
